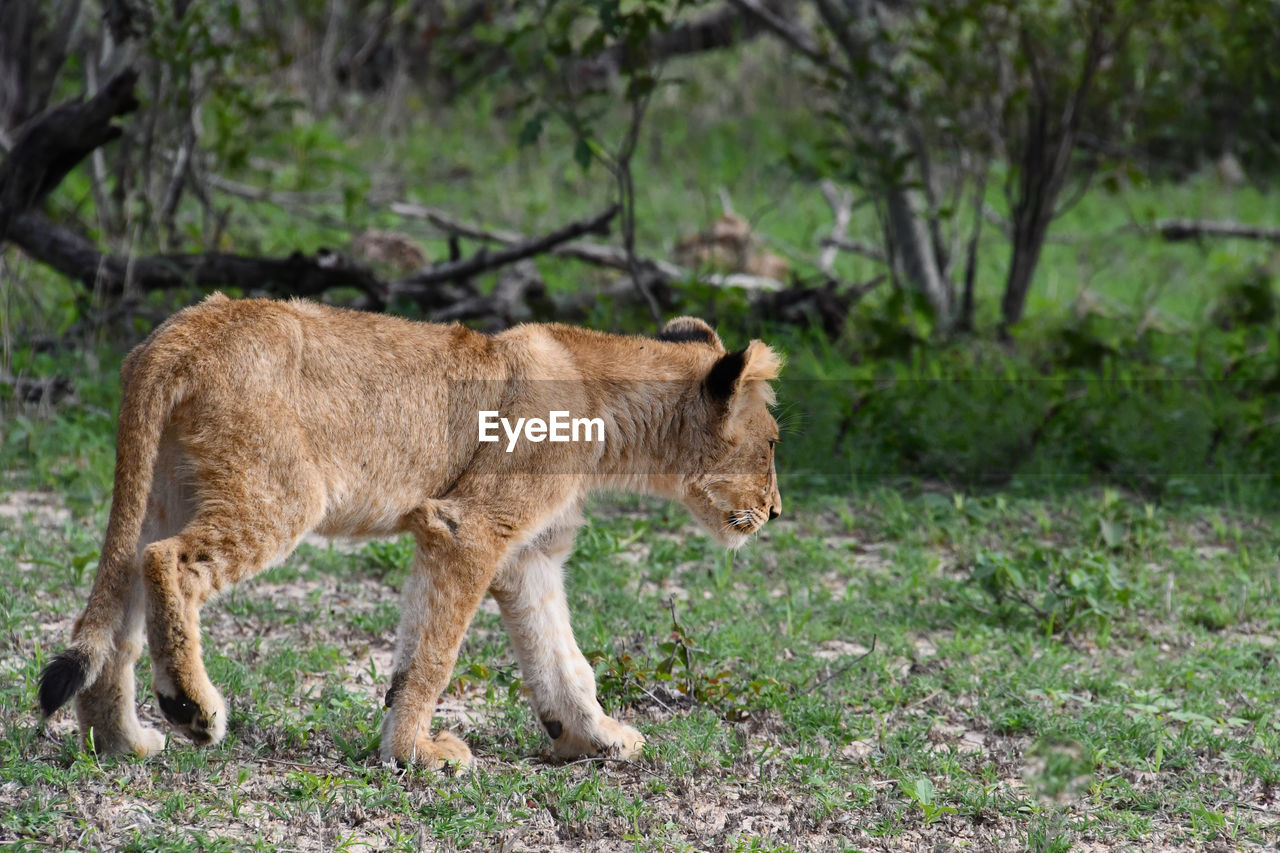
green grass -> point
(850, 682)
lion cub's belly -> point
(368, 511)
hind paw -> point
(150, 741)
(138, 741)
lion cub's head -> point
(730, 484)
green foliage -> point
(1042, 838)
(561, 53)
(1247, 299)
(1170, 416)
(1060, 587)
(391, 557)
(1200, 68)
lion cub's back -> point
(252, 346)
(362, 398)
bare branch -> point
(451, 225)
(592, 253)
(484, 260)
(857, 247)
(279, 198)
(794, 36)
(625, 179)
(519, 291)
(615, 258)
(745, 281)
(177, 182)
(597, 254)
(721, 27)
(53, 144)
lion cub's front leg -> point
(562, 686)
(455, 561)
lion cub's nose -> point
(773, 513)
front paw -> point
(444, 752)
(607, 738)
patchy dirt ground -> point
(46, 511)
(829, 758)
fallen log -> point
(296, 275)
(37, 390)
(51, 145)
(1179, 230)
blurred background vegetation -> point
(1018, 245)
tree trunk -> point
(1027, 243)
(1045, 157)
(34, 41)
(908, 231)
(1043, 171)
(914, 255)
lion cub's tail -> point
(152, 387)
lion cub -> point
(248, 423)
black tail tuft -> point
(61, 679)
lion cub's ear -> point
(690, 329)
(757, 364)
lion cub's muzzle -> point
(750, 520)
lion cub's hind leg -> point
(181, 573)
(562, 687)
(256, 497)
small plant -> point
(922, 792)
(626, 679)
(1213, 616)
(679, 648)
(1062, 588)
(1043, 838)
(620, 679)
(390, 556)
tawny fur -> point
(247, 424)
